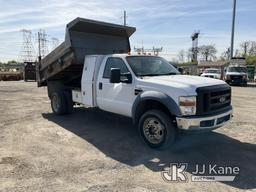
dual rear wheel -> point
(61, 102)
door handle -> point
(100, 85)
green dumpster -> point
(251, 71)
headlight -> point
(187, 105)
(227, 77)
(244, 77)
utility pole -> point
(39, 47)
(233, 29)
(124, 18)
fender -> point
(157, 96)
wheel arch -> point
(153, 100)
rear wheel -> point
(157, 129)
(69, 101)
(58, 103)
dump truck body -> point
(83, 37)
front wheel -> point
(157, 129)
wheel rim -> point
(55, 103)
(153, 130)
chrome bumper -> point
(204, 123)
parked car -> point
(92, 67)
(212, 73)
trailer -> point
(83, 37)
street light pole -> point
(233, 29)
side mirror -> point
(115, 75)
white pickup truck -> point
(149, 90)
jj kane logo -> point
(203, 172)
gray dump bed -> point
(83, 37)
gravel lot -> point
(91, 150)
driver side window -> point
(114, 62)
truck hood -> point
(187, 83)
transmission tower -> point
(27, 50)
(194, 38)
(42, 42)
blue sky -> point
(166, 23)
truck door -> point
(114, 97)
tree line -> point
(247, 49)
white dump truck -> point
(93, 67)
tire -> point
(69, 102)
(156, 129)
(58, 103)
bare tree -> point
(181, 55)
(225, 55)
(208, 52)
(189, 54)
(245, 46)
(252, 48)
(237, 53)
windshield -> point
(237, 69)
(150, 66)
(212, 71)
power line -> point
(42, 43)
(55, 42)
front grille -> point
(236, 77)
(213, 99)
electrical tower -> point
(42, 44)
(194, 38)
(27, 50)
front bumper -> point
(204, 123)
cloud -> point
(167, 23)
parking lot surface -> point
(91, 150)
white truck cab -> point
(153, 93)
